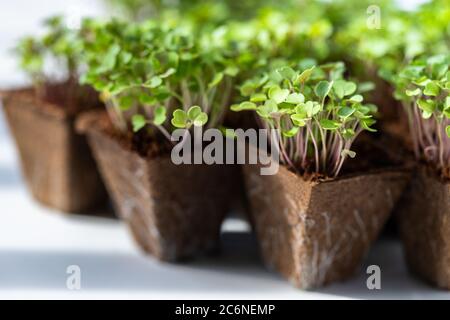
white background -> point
(38, 244)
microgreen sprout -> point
(60, 47)
(317, 112)
(404, 36)
(423, 88)
(153, 76)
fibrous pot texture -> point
(174, 211)
(424, 221)
(317, 232)
(56, 161)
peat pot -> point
(317, 232)
(424, 220)
(56, 161)
(173, 211)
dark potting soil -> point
(440, 175)
(147, 145)
(376, 152)
(71, 96)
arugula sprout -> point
(403, 36)
(193, 116)
(403, 53)
(318, 114)
(59, 46)
(148, 71)
(423, 87)
(156, 63)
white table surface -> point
(38, 244)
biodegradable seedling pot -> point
(173, 211)
(424, 220)
(314, 232)
(56, 161)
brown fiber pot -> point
(315, 233)
(173, 211)
(424, 220)
(56, 161)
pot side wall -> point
(316, 233)
(56, 161)
(424, 220)
(174, 212)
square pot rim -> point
(50, 109)
(26, 93)
(401, 169)
(161, 157)
(406, 168)
(430, 172)
(85, 125)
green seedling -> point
(146, 72)
(317, 112)
(60, 46)
(423, 88)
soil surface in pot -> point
(56, 161)
(174, 211)
(424, 221)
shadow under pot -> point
(174, 211)
(56, 161)
(318, 232)
(424, 221)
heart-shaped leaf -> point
(427, 106)
(168, 73)
(295, 98)
(312, 108)
(159, 116)
(328, 124)
(277, 94)
(431, 89)
(412, 93)
(138, 121)
(193, 112)
(201, 120)
(154, 82)
(179, 119)
(345, 112)
(269, 107)
(322, 89)
(299, 120)
(287, 73)
(356, 98)
(258, 97)
(243, 106)
(304, 76)
(343, 88)
(216, 80)
(291, 132)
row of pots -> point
(312, 232)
